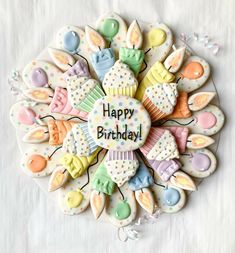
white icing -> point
(164, 96)
(164, 149)
(78, 88)
(119, 76)
(121, 171)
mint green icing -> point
(122, 210)
(101, 181)
(87, 104)
(132, 57)
(109, 28)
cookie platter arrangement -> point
(117, 118)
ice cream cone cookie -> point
(121, 208)
(160, 100)
(121, 166)
(195, 102)
(42, 74)
(132, 55)
(113, 28)
(207, 121)
(120, 80)
(198, 163)
(78, 141)
(160, 145)
(156, 74)
(83, 92)
(193, 74)
(158, 41)
(102, 58)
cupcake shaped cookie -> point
(160, 145)
(83, 92)
(121, 166)
(78, 141)
(120, 80)
(160, 100)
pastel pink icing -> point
(206, 120)
(26, 116)
(121, 155)
(61, 104)
(181, 136)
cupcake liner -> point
(154, 113)
(88, 103)
(181, 110)
(165, 169)
(160, 145)
(92, 145)
(125, 91)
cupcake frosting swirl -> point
(119, 76)
(79, 88)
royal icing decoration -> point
(120, 80)
(119, 123)
(160, 100)
(136, 135)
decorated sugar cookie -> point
(198, 163)
(132, 55)
(113, 28)
(103, 58)
(83, 92)
(120, 80)
(193, 74)
(42, 74)
(207, 121)
(158, 41)
(129, 138)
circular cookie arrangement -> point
(112, 120)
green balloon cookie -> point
(109, 28)
(122, 210)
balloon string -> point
(76, 117)
(145, 67)
(54, 152)
(181, 124)
(85, 60)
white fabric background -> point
(29, 221)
